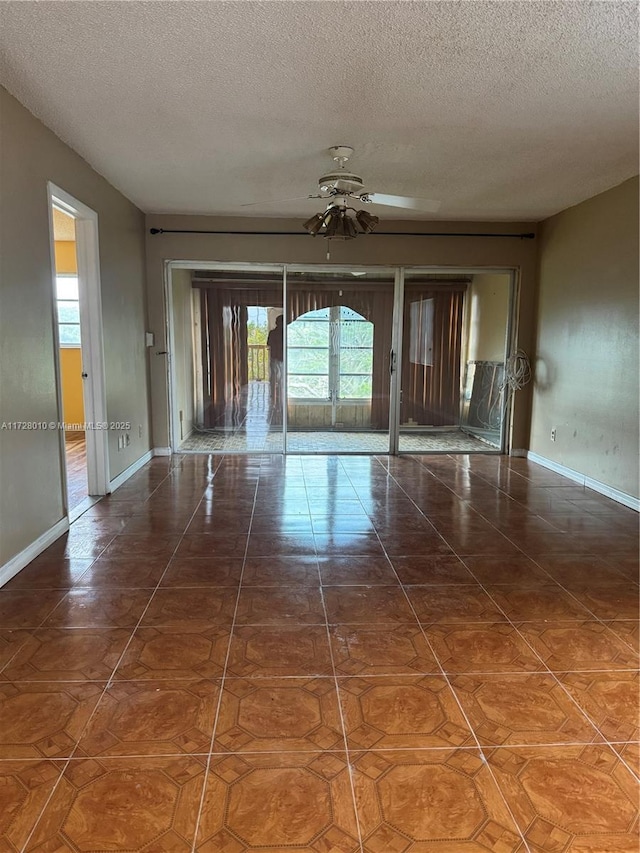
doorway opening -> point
(70, 355)
(320, 359)
(82, 417)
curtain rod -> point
(527, 236)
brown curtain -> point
(224, 338)
(431, 392)
(224, 348)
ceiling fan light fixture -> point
(315, 224)
(350, 228)
(367, 221)
(331, 219)
(340, 226)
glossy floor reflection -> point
(76, 461)
(345, 654)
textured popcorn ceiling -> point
(501, 109)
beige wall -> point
(303, 249)
(488, 313)
(30, 466)
(182, 352)
(586, 373)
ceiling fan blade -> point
(425, 205)
(281, 200)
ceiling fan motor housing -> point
(342, 181)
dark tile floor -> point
(327, 654)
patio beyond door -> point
(339, 333)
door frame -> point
(91, 340)
(399, 272)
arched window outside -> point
(330, 355)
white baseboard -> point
(17, 563)
(82, 507)
(161, 451)
(130, 471)
(588, 482)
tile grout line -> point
(224, 668)
(316, 751)
(346, 676)
(350, 769)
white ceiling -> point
(504, 110)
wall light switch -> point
(149, 339)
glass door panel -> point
(238, 349)
(452, 362)
(339, 326)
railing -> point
(258, 362)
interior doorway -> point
(82, 415)
(70, 355)
(365, 359)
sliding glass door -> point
(239, 384)
(320, 359)
(452, 367)
(339, 332)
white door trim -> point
(174, 425)
(396, 368)
(94, 386)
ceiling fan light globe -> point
(367, 221)
(333, 224)
(350, 230)
(341, 227)
(315, 224)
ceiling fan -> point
(341, 186)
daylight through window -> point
(68, 310)
(330, 355)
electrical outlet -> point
(554, 433)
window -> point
(330, 355)
(68, 310)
